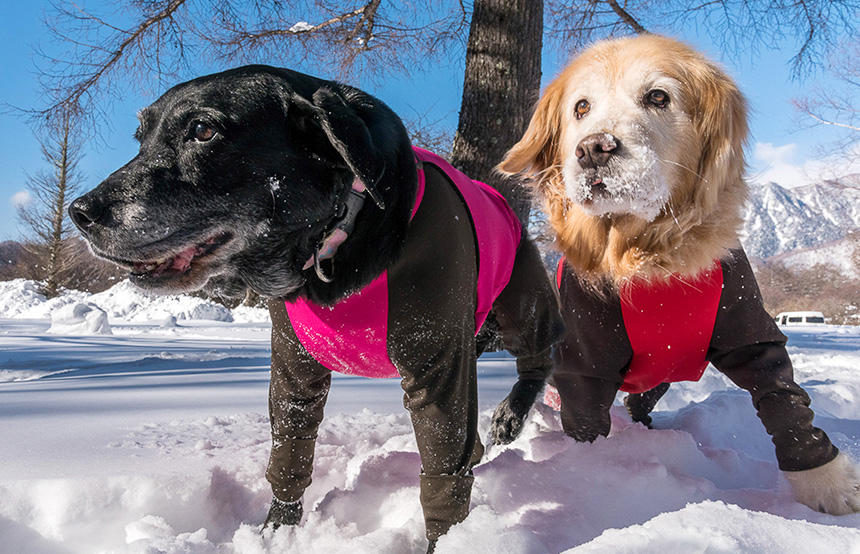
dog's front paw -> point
(833, 488)
(283, 513)
(510, 414)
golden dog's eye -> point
(202, 132)
(657, 97)
(582, 108)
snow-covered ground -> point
(154, 438)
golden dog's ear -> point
(539, 149)
(720, 118)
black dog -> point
(308, 191)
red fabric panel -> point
(669, 325)
(351, 336)
(559, 273)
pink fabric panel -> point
(352, 336)
(497, 228)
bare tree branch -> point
(103, 58)
(626, 17)
(255, 37)
(73, 94)
(823, 121)
(838, 104)
(735, 25)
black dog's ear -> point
(349, 136)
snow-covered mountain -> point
(780, 220)
(842, 255)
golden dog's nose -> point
(595, 150)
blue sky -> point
(778, 149)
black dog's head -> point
(239, 175)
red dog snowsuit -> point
(660, 333)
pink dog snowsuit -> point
(464, 253)
(352, 336)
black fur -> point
(510, 415)
(267, 185)
(283, 513)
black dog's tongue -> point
(181, 262)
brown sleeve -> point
(431, 327)
(297, 394)
(749, 349)
(595, 344)
(528, 314)
(431, 341)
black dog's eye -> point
(201, 132)
(582, 108)
(658, 98)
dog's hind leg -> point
(640, 405)
(530, 323)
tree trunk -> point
(500, 88)
(56, 243)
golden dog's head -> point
(637, 150)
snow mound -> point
(20, 298)
(248, 314)
(154, 440)
(718, 527)
(126, 301)
(80, 318)
(169, 322)
(638, 490)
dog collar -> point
(342, 226)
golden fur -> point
(696, 144)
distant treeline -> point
(819, 288)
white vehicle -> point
(799, 318)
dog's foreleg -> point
(510, 414)
(297, 395)
(283, 513)
(833, 488)
(640, 405)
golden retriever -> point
(636, 150)
(674, 186)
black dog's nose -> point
(595, 150)
(85, 212)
